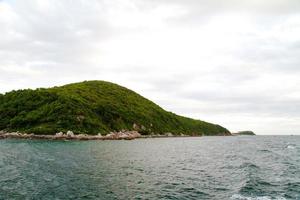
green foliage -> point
(92, 107)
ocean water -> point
(242, 167)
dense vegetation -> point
(92, 107)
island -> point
(244, 133)
(92, 110)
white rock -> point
(81, 135)
(135, 134)
(110, 134)
(169, 134)
(70, 134)
(12, 134)
(59, 134)
(135, 126)
(123, 135)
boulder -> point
(122, 135)
(169, 134)
(110, 135)
(135, 134)
(12, 134)
(70, 134)
(80, 118)
(60, 134)
(135, 126)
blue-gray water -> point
(244, 167)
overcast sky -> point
(233, 62)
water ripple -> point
(242, 168)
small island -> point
(244, 133)
(92, 110)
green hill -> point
(92, 107)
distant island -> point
(244, 133)
(95, 109)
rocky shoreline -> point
(69, 135)
(121, 135)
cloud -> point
(230, 62)
(255, 6)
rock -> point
(135, 126)
(122, 135)
(83, 137)
(111, 134)
(12, 134)
(169, 134)
(60, 134)
(2, 132)
(80, 136)
(135, 134)
(127, 135)
(70, 134)
(80, 118)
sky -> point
(235, 63)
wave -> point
(248, 165)
(265, 151)
(241, 197)
(290, 147)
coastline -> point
(121, 135)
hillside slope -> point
(92, 107)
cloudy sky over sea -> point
(233, 62)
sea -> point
(233, 168)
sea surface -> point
(241, 167)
